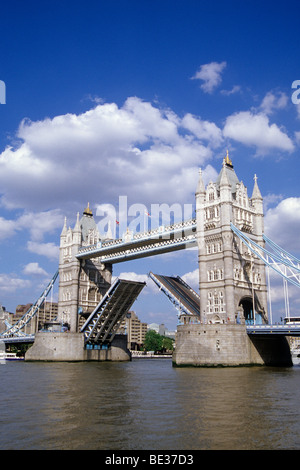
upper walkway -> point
(292, 329)
(163, 239)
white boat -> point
(294, 341)
(9, 356)
(291, 320)
(295, 353)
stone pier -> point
(69, 347)
(216, 345)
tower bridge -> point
(226, 324)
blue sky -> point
(129, 98)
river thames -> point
(148, 404)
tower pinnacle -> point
(227, 160)
(87, 210)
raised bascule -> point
(226, 324)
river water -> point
(147, 404)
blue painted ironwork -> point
(17, 339)
(104, 321)
(284, 330)
(282, 253)
(15, 330)
(283, 266)
(181, 295)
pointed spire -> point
(224, 181)
(256, 192)
(64, 230)
(77, 225)
(200, 186)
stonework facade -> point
(81, 284)
(231, 282)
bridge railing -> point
(160, 233)
(285, 330)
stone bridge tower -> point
(232, 283)
(82, 284)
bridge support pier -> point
(69, 347)
(214, 345)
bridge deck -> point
(284, 330)
(104, 321)
(17, 339)
(179, 293)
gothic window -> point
(209, 302)
(66, 296)
(82, 295)
(92, 237)
(215, 274)
(218, 302)
(92, 295)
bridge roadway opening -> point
(179, 293)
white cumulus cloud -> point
(256, 130)
(273, 101)
(12, 283)
(106, 151)
(282, 224)
(211, 75)
(33, 269)
(50, 250)
(203, 129)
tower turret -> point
(227, 276)
(81, 284)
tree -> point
(153, 341)
(167, 343)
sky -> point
(102, 100)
